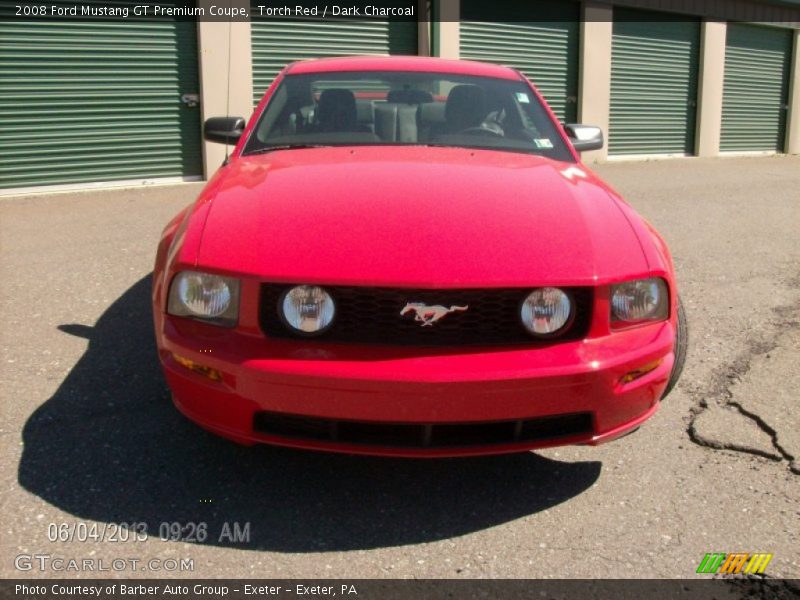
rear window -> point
(407, 108)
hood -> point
(416, 217)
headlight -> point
(546, 311)
(212, 298)
(639, 301)
(308, 309)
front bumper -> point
(387, 386)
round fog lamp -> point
(308, 309)
(546, 311)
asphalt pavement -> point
(90, 439)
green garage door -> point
(277, 42)
(654, 69)
(541, 39)
(90, 101)
(755, 97)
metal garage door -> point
(541, 39)
(654, 70)
(277, 42)
(755, 97)
(87, 101)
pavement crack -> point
(720, 393)
(766, 428)
(708, 442)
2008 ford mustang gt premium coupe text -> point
(406, 256)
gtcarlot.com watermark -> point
(43, 563)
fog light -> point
(641, 371)
(212, 374)
(308, 309)
(546, 311)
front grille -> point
(372, 315)
(435, 435)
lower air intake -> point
(435, 435)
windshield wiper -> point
(266, 149)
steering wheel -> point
(481, 130)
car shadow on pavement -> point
(110, 447)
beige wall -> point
(424, 28)
(594, 84)
(424, 38)
(793, 124)
(709, 94)
(449, 34)
(224, 91)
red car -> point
(406, 256)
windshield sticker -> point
(543, 143)
(523, 98)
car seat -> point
(336, 111)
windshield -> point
(406, 108)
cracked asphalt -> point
(88, 435)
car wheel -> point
(681, 343)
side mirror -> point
(584, 137)
(223, 130)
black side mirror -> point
(584, 137)
(223, 130)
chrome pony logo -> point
(428, 315)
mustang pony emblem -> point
(428, 315)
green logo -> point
(735, 562)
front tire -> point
(681, 344)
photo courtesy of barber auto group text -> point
(399, 299)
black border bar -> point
(778, 12)
(735, 588)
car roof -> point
(402, 63)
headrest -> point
(466, 107)
(337, 110)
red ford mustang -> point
(406, 256)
